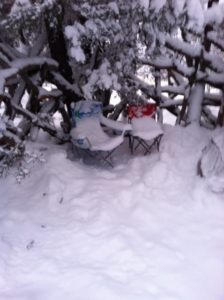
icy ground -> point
(149, 229)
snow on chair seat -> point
(88, 134)
(90, 130)
(146, 128)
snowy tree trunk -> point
(195, 103)
(56, 40)
(220, 120)
(182, 114)
(157, 76)
(58, 48)
(198, 91)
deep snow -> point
(149, 229)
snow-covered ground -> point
(148, 229)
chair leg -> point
(79, 152)
(148, 150)
(131, 143)
(105, 158)
(145, 145)
(158, 141)
(87, 154)
(108, 156)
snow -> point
(196, 15)
(215, 14)
(218, 138)
(18, 4)
(144, 3)
(215, 61)
(103, 77)
(113, 6)
(193, 50)
(147, 229)
(216, 78)
(156, 4)
(213, 36)
(179, 6)
(73, 33)
(164, 63)
(212, 161)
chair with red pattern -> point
(139, 111)
(146, 132)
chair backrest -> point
(139, 111)
(85, 109)
(143, 121)
(85, 116)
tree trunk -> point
(198, 89)
(56, 39)
(58, 48)
(220, 119)
(195, 102)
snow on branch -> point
(176, 90)
(214, 62)
(215, 14)
(169, 63)
(10, 52)
(6, 100)
(30, 63)
(170, 103)
(181, 47)
(150, 91)
(214, 79)
(143, 84)
(179, 79)
(4, 62)
(24, 64)
(213, 37)
(39, 44)
(214, 99)
(4, 75)
(63, 84)
(21, 11)
(39, 121)
(44, 94)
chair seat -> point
(89, 133)
(146, 132)
(146, 128)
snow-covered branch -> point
(214, 38)
(184, 48)
(32, 63)
(64, 85)
(169, 64)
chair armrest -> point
(116, 125)
(80, 139)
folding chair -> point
(88, 136)
(146, 132)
